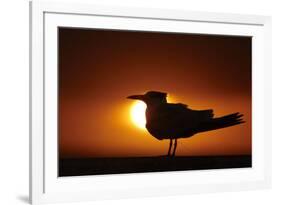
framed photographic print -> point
(129, 102)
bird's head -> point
(151, 98)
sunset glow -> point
(137, 113)
(99, 71)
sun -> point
(138, 114)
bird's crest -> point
(156, 94)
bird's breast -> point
(165, 125)
(153, 123)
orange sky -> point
(98, 69)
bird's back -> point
(168, 120)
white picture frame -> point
(46, 186)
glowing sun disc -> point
(138, 114)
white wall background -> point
(14, 100)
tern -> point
(175, 120)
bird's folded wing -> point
(178, 115)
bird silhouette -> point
(175, 120)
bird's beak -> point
(136, 97)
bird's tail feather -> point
(222, 122)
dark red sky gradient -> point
(99, 68)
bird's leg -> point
(170, 146)
(175, 147)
